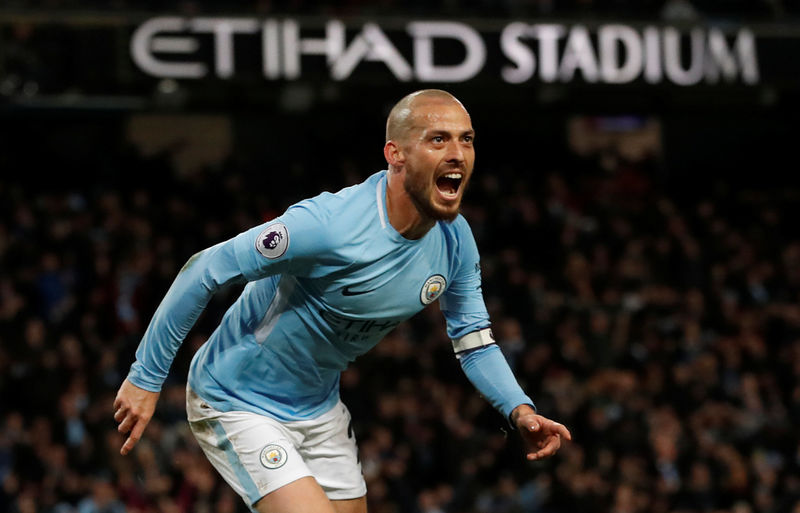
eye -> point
(468, 138)
(437, 139)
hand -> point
(541, 436)
(133, 409)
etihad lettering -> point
(350, 329)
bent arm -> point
(262, 251)
(203, 275)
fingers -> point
(127, 423)
(133, 408)
(133, 438)
(551, 445)
(131, 422)
(545, 438)
(549, 426)
(562, 430)
(134, 425)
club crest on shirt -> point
(273, 456)
(432, 289)
(273, 241)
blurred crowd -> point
(660, 324)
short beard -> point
(421, 199)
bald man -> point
(326, 281)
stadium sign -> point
(170, 47)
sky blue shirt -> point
(327, 280)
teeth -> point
(455, 176)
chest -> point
(388, 281)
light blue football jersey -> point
(327, 280)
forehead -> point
(440, 115)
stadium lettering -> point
(623, 55)
(169, 47)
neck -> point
(404, 215)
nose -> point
(455, 152)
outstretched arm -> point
(483, 362)
(488, 370)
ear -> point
(393, 154)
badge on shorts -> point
(273, 240)
(273, 456)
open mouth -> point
(449, 183)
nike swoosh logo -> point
(347, 292)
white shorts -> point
(256, 454)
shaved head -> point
(430, 151)
(402, 116)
